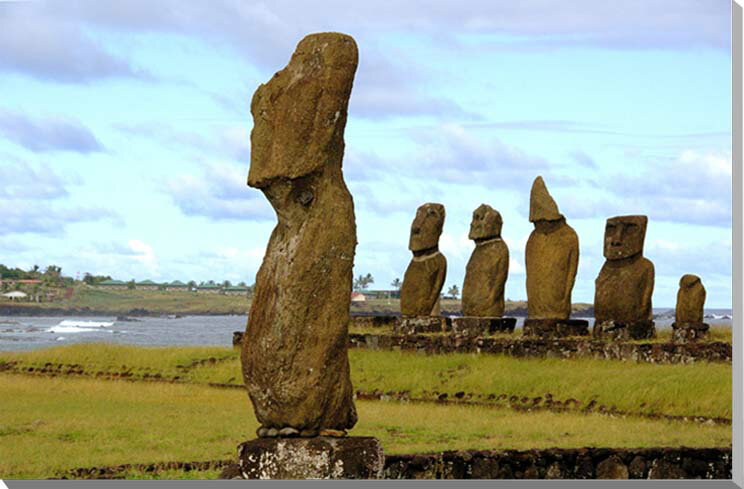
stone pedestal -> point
(422, 324)
(356, 457)
(369, 321)
(479, 326)
(616, 330)
(686, 332)
(555, 328)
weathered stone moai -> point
(688, 318)
(424, 277)
(551, 260)
(625, 284)
(294, 355)
(485, 277)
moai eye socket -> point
(305, 197)
(631, 228)
(609, 228)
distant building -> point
(236, 290)
(176, 285)
(356, 297)
(112, 284)
(209, 289)
(16, 295)
(146, 285)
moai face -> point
(486, 223)
(427, 227)
(624, 236)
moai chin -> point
(424, 277)
(688, 318)
(625, 284)
(294, 355)
(551, 259)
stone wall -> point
(561, 348)
(583, 463)
(717, 351)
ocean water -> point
(19, 333)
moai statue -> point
(485, 277)
(294, 352)
(551, 259)
(623, 289)
(424, 277)
(688, 319)
(294, 355)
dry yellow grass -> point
(50, 425)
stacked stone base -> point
(422, 324)
(686, 332)
(617, 330)
(356, 457)
(374, 321)
(555, 328)
(479, 326)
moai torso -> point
(625, 284)
(424, 277)
(488, 267)
(690, 300)
(551, 258)
(294, 356)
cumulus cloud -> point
(29, 216)
(33, 200)
(37, 41)
(692, 188)
(221, 193)
(47, 134)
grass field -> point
(171, 302)
(50, 425)
(700, 389)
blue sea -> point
(27, 333)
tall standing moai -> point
(485, 277)
(625, 284)
(294, 355)
(424, 277)
(551, 259)
(688, 316)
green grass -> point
(122, 301)
(50, 425)
(699, 389)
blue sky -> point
(124, 131)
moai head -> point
(688, 281)
(624, 237)
(486, 223)
(426, 227)
(298, 113)
(542, 205)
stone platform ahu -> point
(551, 261)
(294, 354)
(485, 277)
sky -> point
(124, 131)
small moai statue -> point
(294, 352)
(425, 275)
(625, 284)
(688, 318)
(485, 277)
(551, 259)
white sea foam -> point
(68, 326)
(86, 324)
